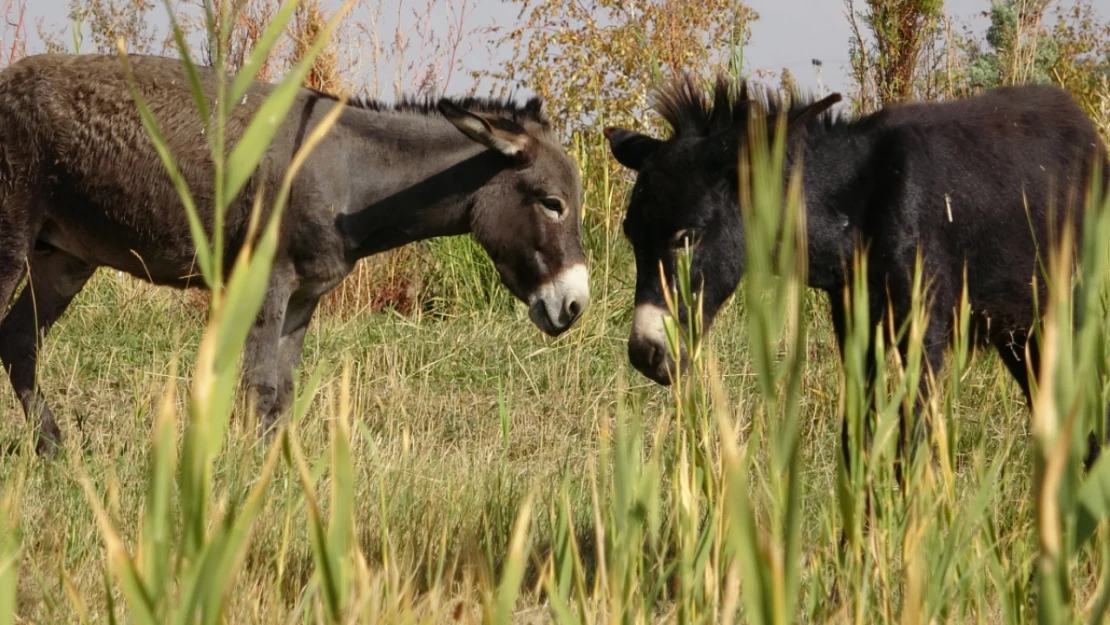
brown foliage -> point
(129, 20)
(246, 27)
(308, 21)
(597, 60)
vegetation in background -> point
(1019, 50)
(888, 69)
(596, 62)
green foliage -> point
(1020, 47)
(1020, 50)
(886, 70)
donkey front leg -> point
(260, 359)
(56, 278)
(840, 314)
(297, 318)
(914, 429)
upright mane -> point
(692, 112)
(530, 111)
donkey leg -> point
(297, 318)
(15, 248)
(1094, 446)
(1012, 351)
(914, 430)
(839, 315)
(56, 278)
(260, 359)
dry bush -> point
(246, 27)
(597, 60)
(308, 21)
(13, 37)
(107, 21)
(416, 59)
(1083, 57)
(1100, 111)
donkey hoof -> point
(48, 441)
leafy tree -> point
(1020, 50)
(886, 64)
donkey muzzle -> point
(647, 345)
(560, 301)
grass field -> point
(460, 418)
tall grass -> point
(466, 470)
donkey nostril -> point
(574, 309)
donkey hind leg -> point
(1012, 351)
(15, 248)
(56, 278)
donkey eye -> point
(554, 205)
(685, 238)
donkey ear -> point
(630, 148)
(801, 118)
(497, 133)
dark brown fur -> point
(81, 186)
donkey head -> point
(686, 194)
(527, 217)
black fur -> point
(953, 180)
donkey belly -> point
(154, 254)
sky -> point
(788, 33)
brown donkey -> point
(81, 186)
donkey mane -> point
(692, 112)
(531, 111)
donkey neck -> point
(412, 177)
(836, 185)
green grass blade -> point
(1100, 606)
(326, 566)
(304, 398)
(1094, 501)
(200, 98)
(341, 531)
(260, 132)
(196, 228)
(158, 529)
(513, 574)
(262, 50)
(10, 551)
(233, 552)
(142, 608)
